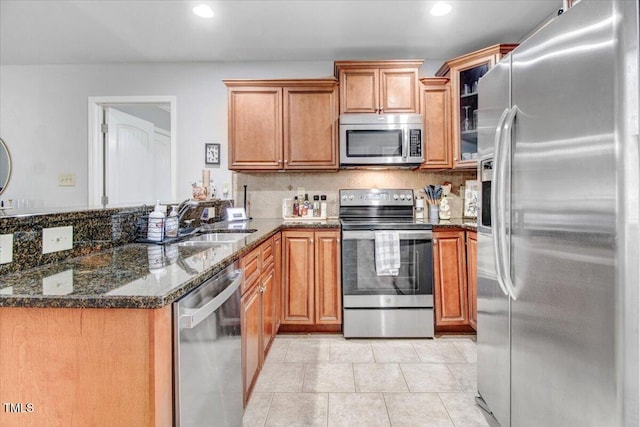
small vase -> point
(433, 212)
(445, 209)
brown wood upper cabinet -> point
(378, 86)
(435, 103)
(311, 297)
(464, 73)
(283, 124)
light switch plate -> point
(67, 180)
(57, 239)
(6, 248)
(58, 284)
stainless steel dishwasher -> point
(207, 353)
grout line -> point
(404, 378)
(386, 407)
(446, 409)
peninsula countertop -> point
(136, 275)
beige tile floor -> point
(325, 380)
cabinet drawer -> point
(250, 264)
(267, 254)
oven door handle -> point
(371, 234)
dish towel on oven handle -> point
(387, 254)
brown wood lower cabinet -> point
(472, 277)
(259, 307)
(451, 293)
(311, 296)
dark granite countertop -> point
(465, 223)
(136, 275)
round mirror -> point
(5, 166)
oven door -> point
(363, 288)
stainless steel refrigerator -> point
(558, 259)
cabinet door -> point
(399, 90)
(450, 278)
(277, 289)
(472, 277)
(298, 292)
(328, 294)
(436, 110)
(268, 285)
(359, 90)
(251, 332)
(255, 128)
(310, 128)
(464, 82)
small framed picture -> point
(212, 154)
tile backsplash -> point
(266, 190)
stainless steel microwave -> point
(391, 140)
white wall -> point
(43, 116)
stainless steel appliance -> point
(558, 258)
(391, 140)
(385, 306)
(207, 353)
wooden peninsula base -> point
(85, 367)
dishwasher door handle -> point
(193, 316)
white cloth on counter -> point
(387, 253)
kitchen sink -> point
(212, 238)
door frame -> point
(95, 157)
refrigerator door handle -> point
(501, 214)
(495, 179)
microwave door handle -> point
(405, 143)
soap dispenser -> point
(155, 231)
(171, 225)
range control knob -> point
(409, 197)
(395, 197)
(344, 197)
(351, 197)
(402, 197)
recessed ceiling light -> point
(203, 11)
(441, 8)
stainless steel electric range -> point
(385, 306)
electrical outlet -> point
(58, 284)
(6, 248)
(57, 239)
(67, 180)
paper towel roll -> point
(206, 177)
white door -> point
(161, 164)
(130, 158)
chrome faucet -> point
(185, 207)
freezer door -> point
(563, 201)
(493, 304)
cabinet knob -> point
(311, 241)
(279, 161)
(381, 110)
(435, 241)
(286, 161)
(338, 240)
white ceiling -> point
(90, 31)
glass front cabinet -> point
(464, 73)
